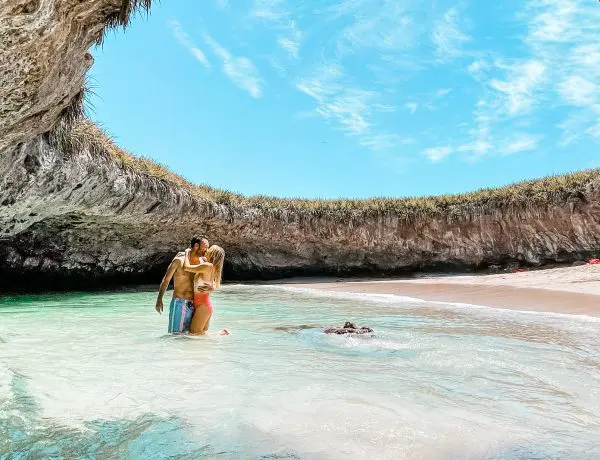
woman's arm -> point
(198, 268)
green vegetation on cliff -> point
(75, 133)
(80, 134)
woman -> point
(207, 275)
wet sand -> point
(572, 290)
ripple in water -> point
(95, 376)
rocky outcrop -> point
(77, 216)
(349, 328)
(82, 218)
(44, 58)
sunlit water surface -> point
(96, 376)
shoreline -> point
(572, 290)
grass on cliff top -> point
(75, 134)
(123, 16)
(85, 135)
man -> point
(181, 309)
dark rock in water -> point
(295, 329)
(349, 328)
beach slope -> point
(572, 290)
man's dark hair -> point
(196, 239)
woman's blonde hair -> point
(216, 256)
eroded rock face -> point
(43, 60)
(82, 219)
(78, 218)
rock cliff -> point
(75, 211)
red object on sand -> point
(518, 270)
(594, 261)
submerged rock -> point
(349, 328)
(295, 329)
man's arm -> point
(194, 268)
(198, 268)
(175, 264)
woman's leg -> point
(200, 320)
(209, 307)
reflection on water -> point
(95, 376)
(23, 434)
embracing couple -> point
(195, 272)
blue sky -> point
(356, 98)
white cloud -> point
(240, 70)
(291, 42)
(437, 154)
(442, 92)
(432, 100)
(577, 90)
(277, 15)
(521, 87)
(385, 141)
(516, 95)
(478, 68)
(412, 106)
(383, 64)
(292, 47)
(447, 35)
(479, 147)
(594, 130)
(278, 67)
(557, 69)
(570, 127)
(586, 59)
(521, 143)
(382, 33)
(383, 26)
(553, 24)
(184, 40)
(269, 10)
(585, 122)
(349, 108)
(565, 34)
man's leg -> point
(171, 315)
(178, 313)
(189, 314)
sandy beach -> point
(571, 290)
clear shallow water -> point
(96, 376)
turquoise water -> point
(96, 376)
